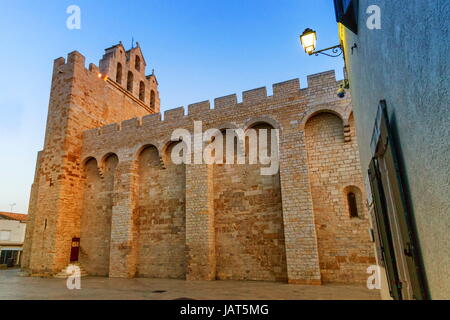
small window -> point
(352, 205)
(347, 13)
(152, 99)
(353, 197)
(119, 73)
(5, 235)
(130, 81)
(137, 63)
(142, 91)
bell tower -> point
(127, 69)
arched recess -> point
(142, 91)
(161, 216)
(168, 154)
(344, 249)
(321, 109)
(119, 73)
(130, 79)
(263, 120)
(353, 201)
(137, 63)
(98, 201)
(249, 228)
(152, 99)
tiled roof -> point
(14, 216)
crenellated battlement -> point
(319, 80)
(226, 101)
(174, 114)
(254, 96)
(199, 108)
(75, 60)
(286, 87)
(321, 87)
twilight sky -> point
(200, 49)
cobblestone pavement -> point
(12, 286)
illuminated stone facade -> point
(106, 176)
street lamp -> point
(308, 40)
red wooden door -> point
(75, 250)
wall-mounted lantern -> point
(308, 40)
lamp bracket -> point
(336, 51)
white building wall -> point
(17, 230)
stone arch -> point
(257, 124)
(249, 229)
(108, 165)
(130, 80)
(321, 109)
(331, 167)
(142, 91)
(223, 127)
(138, 149)
(152, 99)
(263, 119)
(103, 159)
(160, 216)
(331, 117)
(348, 117)
(119, 73)
(146, 147)
(166, 148)
(349, 127)
(86, 160)
(98, 201)
(227, 125)
(356, 191)
(137, 63)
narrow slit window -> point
(119, 73)
(352, 205)
(130, 81)
(152, 99)
(142, 91)
(137, 63)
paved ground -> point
(12, 286)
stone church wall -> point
(106, 176)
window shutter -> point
(387, 150)
(384, 231)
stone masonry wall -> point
(199, 222)
(96, 216)
(249, 231)
(79, 101)
(161, 218)
(343, 242)
(240, 225)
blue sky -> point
(200, 49)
